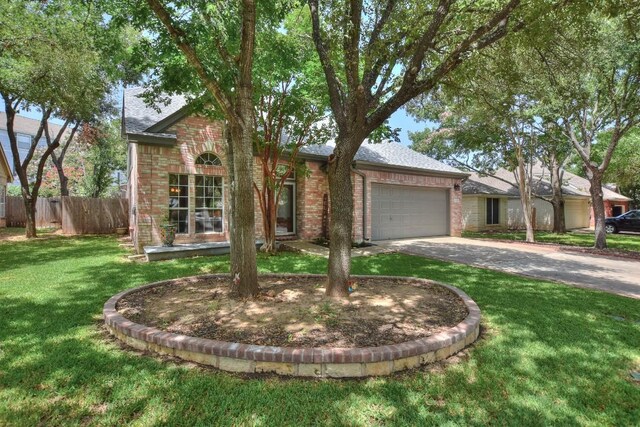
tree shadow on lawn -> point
(16, 255)
(552, 355)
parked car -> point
(629, 221)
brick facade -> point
(608, 209)
(150, 166)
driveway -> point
(618, 276)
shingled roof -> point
(138, 116)
(503, 183)
(386, 153)
(140, 120)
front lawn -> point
(550, 354)
(627, 242)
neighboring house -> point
(177, 168)
(5, 177)
(25, 129)
(493, 202)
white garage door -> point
(576, 214)
(401, 211)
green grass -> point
(550, 354)
(627, 242)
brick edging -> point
(321, 362)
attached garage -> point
(576, 213)
(399, 211)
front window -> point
(179, 202)
(493, 211)
(208, 159)
(209, 204)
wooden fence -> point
(75, 215)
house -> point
(5, 177)
(177, 169)
(25, 129)
(493, 202)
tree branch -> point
(180, 38)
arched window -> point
(208, 159)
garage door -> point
(400, 211)
(576, 214)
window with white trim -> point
(209, 209)
(208, 159)
(179, 202)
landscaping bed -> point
(294, 312)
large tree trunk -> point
(341, 196)
(64, 181)
(269, 213)
(30, 210)
(244, 272)
(559, 224)
(525, 197)
(597, 202)
(557, 199)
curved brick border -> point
(305, 362)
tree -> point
(555, 154)
(49, 62)
(596, 77)
(289, 109)
(378, 55)
(57, 158)
(624, 167)
(105, 154)
(495, 119)
(206, 50)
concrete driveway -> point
(618, 276)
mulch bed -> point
(293, 312)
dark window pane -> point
(493, 211)
(179, 202)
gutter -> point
(419, 171)
(364, 201)
(151, 139)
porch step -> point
(159, 253)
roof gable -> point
(138, 117)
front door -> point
(617, 210)
(285, 220)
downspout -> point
(364, 201)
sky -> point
(399, 119)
